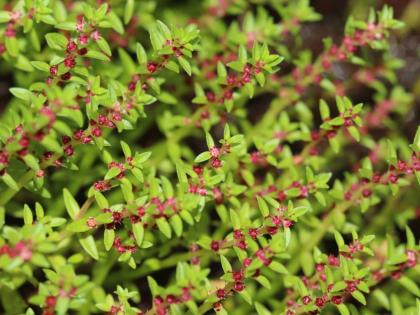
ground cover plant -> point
(200, 157)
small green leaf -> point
(341, 285)
(176, 224)
(126, 149)
(262, 205)
(138, 231)
(112, 172)
(354, 133)
(221, 70)
(226, 266)
(101, 200)
(164, 227)
(95, 54)
(128, 11)
(27, 215)
(40, 65)
(338, 239)
(21, 93)
(9, 181)
(202, 157)
(278, 267)
(109, 237)
(89, 246)
(261, 309)
(185, 65)
(359, 296)
(391, 155)
(56, 41)
(5, 16)
(342, 308)
(236, 222)
(71, 204)
(104, 46)
(141, 54)
(410, 285)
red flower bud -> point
(215, 245)
(306, 300)
(151, 67)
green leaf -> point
(128, 11)
(354, 133)
(56, 41)
(115, 22)
(27, 215)
(246, 296)
(341, 285)
(4, 16)
(221, 70)
(109, 237)
(67, 26)
(78, 226)
(31, 161)
(381, 297)
(242, 55)
(164, 227)
(89, 246)
(416, 141)
(204, 156)
(126, 149)
(342, 308)
(12, 46)
(156, 38)
(9, 181)
(411, 241)
(391, 155)
(209, 140)
(101, 200)
(234, 218)
(278, 267)
(138, 231)
(264, 282)
(40, 65)
(262, 205)
(359, 296)
(164, 29)
(185, 65)
(95, 54)
(104, 46)
(261, 309)
(176, 224)
(141, 54)
(410, 285)
(62, 305)
(226, 266)
(171, 65)
(71, 204)
(112, 172)
(339, 239)
(21, 93)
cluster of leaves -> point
(131, 153)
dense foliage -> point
(189, 158)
